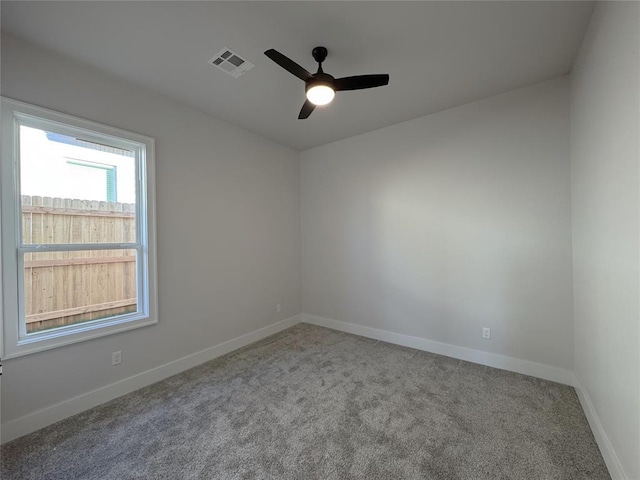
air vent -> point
(232, 63)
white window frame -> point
(15, 341)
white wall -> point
(441, 225)
(228, 230)
(605, 152)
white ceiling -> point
(438, 54)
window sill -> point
(53, 339)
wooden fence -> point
(63, 288)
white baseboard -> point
(539, 370)
(59, 411)
(608, 453)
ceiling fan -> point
(322, 87)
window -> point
(99, 179)
(78, 230)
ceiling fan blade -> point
(306, 110)
(360, 81)
(288, 64)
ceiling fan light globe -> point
(320, 94)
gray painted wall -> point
(228, 229)
(434, 227)
(605, 153)
(441, 225)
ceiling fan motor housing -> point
(320, 79)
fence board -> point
(38, 317)
(78, 261)
(62, 288)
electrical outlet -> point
(278, 308)
(116, 358)
(486, 332)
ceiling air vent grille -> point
(230, 62)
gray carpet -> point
(313, 403)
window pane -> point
(66, 288)
(75, 191)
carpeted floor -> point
(312, 403)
